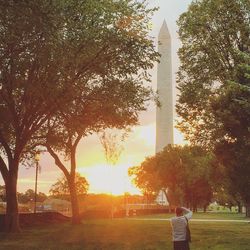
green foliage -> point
(236, 157)
(214, 83)
(185, 172)
(215, 38)
(72, 52)
(110, 54)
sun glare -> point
(146, 134)
(109, 179)
(104, 178)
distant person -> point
(179, 225)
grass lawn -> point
(125, 234)
(201, 215)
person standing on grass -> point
(180, 229)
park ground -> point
(134, 233)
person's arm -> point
(188, 213)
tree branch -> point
(3, 169)
(58, 161)
(6, 147)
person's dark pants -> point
(181, 245)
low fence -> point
(135, 211)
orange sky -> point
(91, 164)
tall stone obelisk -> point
(164, 113)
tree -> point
(228, 199)
(112, 145)
(145, 177)
(29, 195)
(185, 172)
(232, 109)
(235, 156)
(212, 43)
(56, 54)
(29, 85)
(61, 188)
(214, 79)
(113, 91)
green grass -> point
(201, 215)
(125, 234)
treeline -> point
(24, 198)
(87, 202)
(189, 175)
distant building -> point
(162, 199)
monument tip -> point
(164, 31)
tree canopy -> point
(61, 187)
(212, 78)
(185, 173)
(214, 83)
(29, 195)
(58, 55)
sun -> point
(112, 180)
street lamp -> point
(37, 158)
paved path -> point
(194, 220)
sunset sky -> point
(140, 143)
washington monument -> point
(164, 113)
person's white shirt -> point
(179, 225)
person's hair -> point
(178, 211)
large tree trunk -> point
(248, 209)
(74, 203)
(205, 208)
(239, 207)
(12, 217)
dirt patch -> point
(30, 219)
